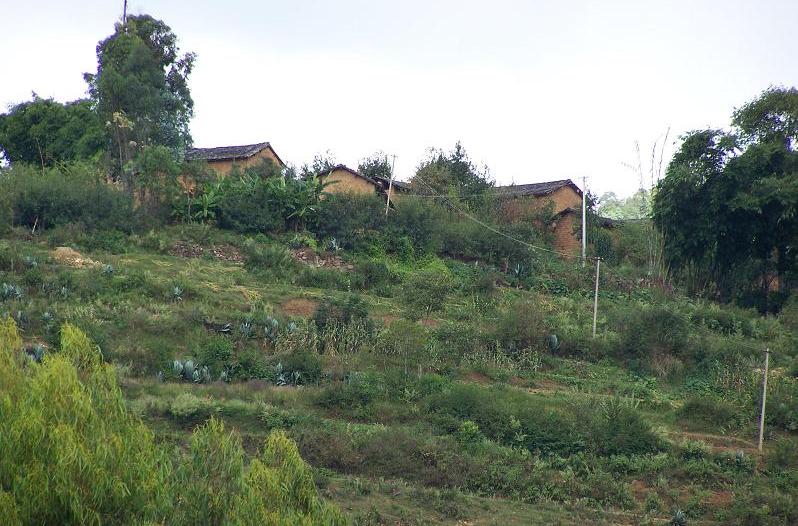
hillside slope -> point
(432, 391)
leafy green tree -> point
(45, 132)
(74, 454)
(141, 90)
(452, 174)
(727, 206)
(377, 165)
(321, 163)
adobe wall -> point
(341, 181)
(517, 209)
(223, 168)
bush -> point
(73, 454)
(250, 207)
(521, 326)
(348, 217)
(305, 365)
(418, 221)
(267, 258)
(425, 292)
(189, 408)
(333, 311)
(617, 429)
(216, 353)
(353, 396)
(650, 334)
(54, 197)
(371, 275)
(710, 413)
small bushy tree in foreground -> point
(73, 454)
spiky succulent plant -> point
(553, 343)
(177, 293)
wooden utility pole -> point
(584, 220)
(764, 398)
(595, 296)
(390, 186)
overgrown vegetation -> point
(210, 330)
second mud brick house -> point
(222, 158)
(561, 199)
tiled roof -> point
(226, 153)
(535, 189)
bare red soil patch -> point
(300, 307)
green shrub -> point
(710, 413)
(250, 205)
(353, 396)
(783, 454)
(650, 334)
(73, 454)
(324, 278)
(216, 353)
(617, 429)
(334, 311)
(346, 217)
(75, 195)
(306, 366)
(267, 258)
(372, 275)
(425, 292)
(418, 221)
(521, 326)
(189, 408)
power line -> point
(488, 227)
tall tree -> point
(453, 174)
(45, 132)
(141, 89)
(376, 165)
(728, 206)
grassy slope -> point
(140, 325)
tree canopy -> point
(44, 132)
(141, 88)
(727, 206)
(452, 173)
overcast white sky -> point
(537, 90)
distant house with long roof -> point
(562, 199)
(222, 159)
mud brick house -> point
(562, 199)
(341, 179)
(222, 158)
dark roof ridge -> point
(536, 189)
(344, 167)
(225, 153)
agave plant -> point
(188, 370)
(245, 329)
(679, 518)
(223, 377)
(47, 317)
(10, 292)
(177, 367)
(35, 352)
(177, 293)
(271, 329)
(108, 270)
(159, 376)
(553, 343)
(333, 245)
(64, 292)
(30, 262)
